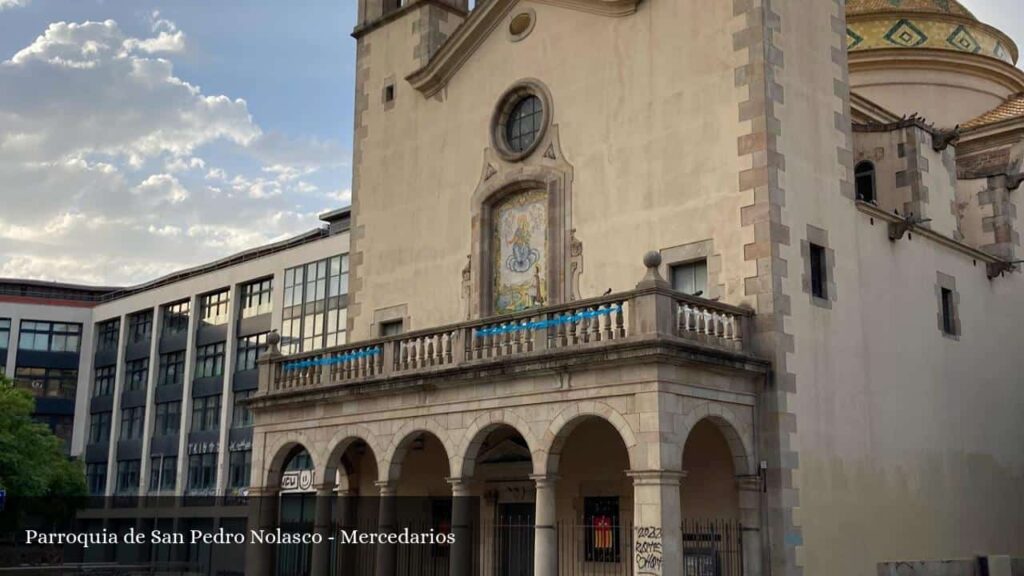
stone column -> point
(545, 540)
(386, 525)
(657, 523)
(346, 514)
(263, 503)
(462, 549)
(750, 493)
(322, 525)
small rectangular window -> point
(389, 93)
(391, 328)
(818, 267)
(691, 278)
(948, 322)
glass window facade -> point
(140, 326)
(206, 413)
(128, 477)
(107, 333)
(213, 308)
(210, 360)
(96, 478)
(163, 471)
(99, 428)
(103, 385)
(5, 332)
(257, 298)
(249, 350)
(202, 472)
(241, 415)
(47, 382)
(172, 369)
(50, 336)
(136, 374)
(239, 468)
(131, 423)
(167, 419)
(175, 319)
(314, 314)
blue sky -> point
(138, 137)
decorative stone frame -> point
(508, 101)
(949, 283)
(527, 13)
(500, 179)
(819, 237)
(694, 252)
(382, 316)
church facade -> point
(670, 287)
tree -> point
(32, 462)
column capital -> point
(386, 487)
(261, 491)
(656, 477)
(545, 480)
(460, 486)
(324, 489)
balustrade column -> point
(387, 519)
(657, 522)
(462, 527)
(545, 540)
(322, 526)
(263, 504)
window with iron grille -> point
(131, 423)
(213, 308)
(210, 360)
(249, 350)
(140, 326)
(172, 369)
(104, 382)
(206, 413)
(257, 298)
(601, 522)
(136, 375)
(175, 319)
(51, 336)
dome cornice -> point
(987, 67)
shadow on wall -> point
(981, 566)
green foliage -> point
(32, 462)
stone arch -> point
(737, 432)
(282, 451)
(463, 460)
(546, 460)
(335, 448)
(390, 465)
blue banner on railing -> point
(539, 324)
(333, 359)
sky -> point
(139, 137)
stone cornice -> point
(979, 65)
(969, 251)
(482, 21)
(364, 29)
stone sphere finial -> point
(273, 338)
(652, 259)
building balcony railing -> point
(651, 311)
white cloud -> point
(101, 142)
(4, 4)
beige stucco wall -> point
(664, 111)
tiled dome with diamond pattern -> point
(929, 24)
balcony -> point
(651, 319)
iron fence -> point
(712, 547)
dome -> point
(928, 24)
